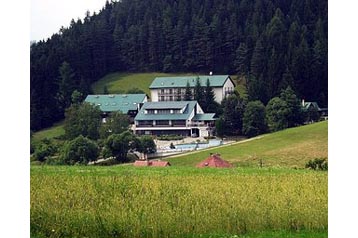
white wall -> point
(154, 95)
(228, 85)
(218, 94)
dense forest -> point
(269, 43)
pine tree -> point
(242, 60)
(65, 84)
(210, 104)
(199, 92)
(258, 59)
(188, 96)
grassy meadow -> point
(122, 82)
(124, 201)
(291, 148)
(50, 133)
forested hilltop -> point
(270, 43)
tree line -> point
(251, 118)
(271, 44)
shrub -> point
(318, 164)
(254, 121)
(44, 149)
(80, 150)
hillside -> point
(273, 44)
(288, 148)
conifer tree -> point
(65, 84)
(242, 60)
(209, 99)
(199, 92)
(188, 96)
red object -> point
(151, 163)
(214, 161)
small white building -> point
(173, 88)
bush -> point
(254, 120)
(80, 150)
(318, 164)
(44, 149)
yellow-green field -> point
(124, 201)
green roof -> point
(189, 107)
(180, 82)
(116, 102)
(204, 117)
(166, 105)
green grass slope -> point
(122, 82)
(49, 133)
(288, 148)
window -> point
(163, 111)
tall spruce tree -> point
(242, 60)
(199, 93)
(188, 96)
(65, 84)
(209, 98)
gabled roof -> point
(180, 82)
(214, 161)
(116, 102)
(307, 105)
(204, 117)
(189, 107)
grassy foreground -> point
(124, 201)
(291, 148)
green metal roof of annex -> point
(116, 102)
(180, 82)
(166, 105)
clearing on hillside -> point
(122, 82)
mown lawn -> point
(125, 201)
(292, 148)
